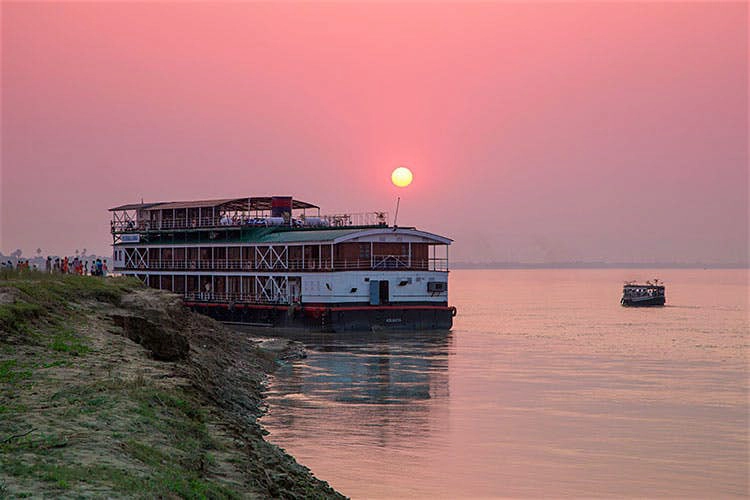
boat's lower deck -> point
(643, 301)
(333, 318)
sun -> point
(401, 177)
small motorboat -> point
(638, 295)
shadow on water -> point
(368, 367)
(317, 340)
(375, 384)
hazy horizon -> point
(472, 265)
(538, 133)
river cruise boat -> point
(276, 261)
(636, 295)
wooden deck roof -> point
(249, 204)
(290, 236)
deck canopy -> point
(134, 206)
(335, 236)
(232, 204)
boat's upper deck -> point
(281, 212)
(636, 289)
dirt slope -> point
(111, 390)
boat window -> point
(364, 250)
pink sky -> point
(536, 132)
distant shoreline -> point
(594, 265)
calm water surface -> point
(545, 387)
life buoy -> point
(453, 311)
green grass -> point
(65, 339)
(166, 479)
(43, 294)
(9, 374)
(177, 413)
(164, 483)
(145, 453)
(13, 408)
(52, 288)
(38, 300)
(173, 417)
(35, 442)
(53, 364)
(81, 395)
(14, 317)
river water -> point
(545, 387)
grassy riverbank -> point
(110, 389)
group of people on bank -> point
(78, 266)
(20, 265)
(65, 265)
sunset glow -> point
(608, 108)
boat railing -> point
(377, 262)
(390, 262)
(236, 221)
(357, 219)
(236, 298)
(643, 292)
(438, 264)
(200, 223)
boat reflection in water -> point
(359, 394)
